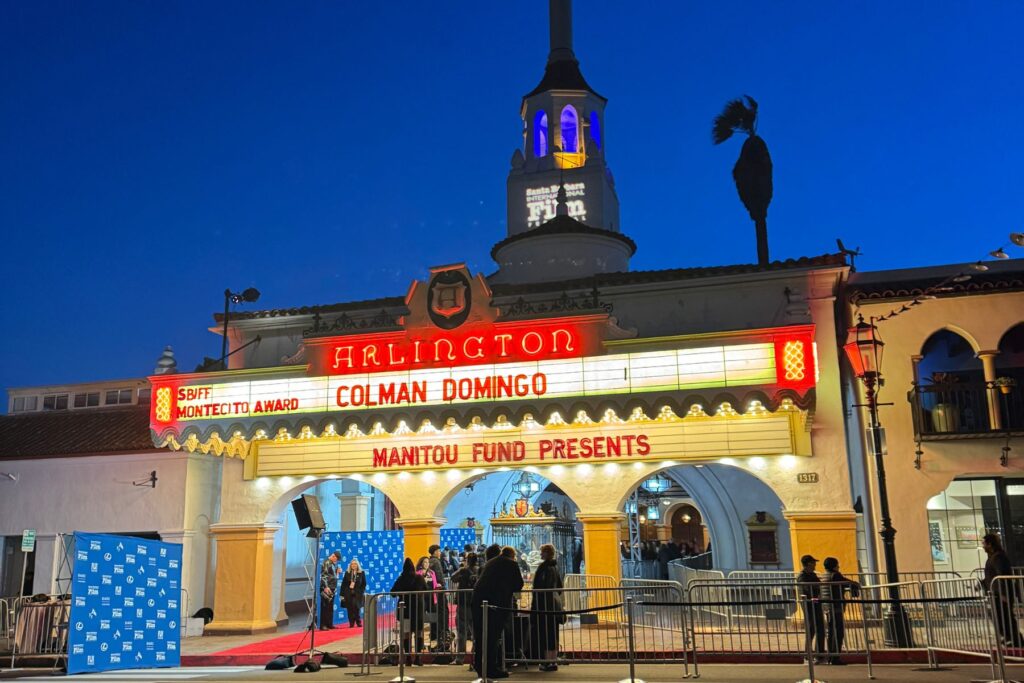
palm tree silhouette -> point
(753, 170)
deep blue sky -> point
(154, 153)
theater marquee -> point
(454, 350)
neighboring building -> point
(97, 469)
(78, 396)
(955, 466)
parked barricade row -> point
(659, 621)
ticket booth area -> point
(456, 393)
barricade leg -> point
(685, 633)
(483, 651)
(867, 642)
(402, 678)
(809, 627)
(631, 642)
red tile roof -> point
(62, 433)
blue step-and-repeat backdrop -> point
(125, 604)
(381, 555)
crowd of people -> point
(662, 552)
(469, 578)
(495, 575)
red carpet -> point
(292, 642)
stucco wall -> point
(982, 320)
(61, 495)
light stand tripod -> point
(312, 665)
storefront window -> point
(957, 519)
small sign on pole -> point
(28, 540)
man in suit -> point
(499, 581)
(328, 587)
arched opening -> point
(540, 134)
(709, 516)
(360, 525)
(1009, 378)
(570, 126)
(595, 129)
(948, 357)
(687, 528)
(951, 391)
(522, 509)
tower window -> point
(540, 134)
(595, 129)
(570, 130)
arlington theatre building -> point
(562, 362)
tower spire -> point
(560, 16)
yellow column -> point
(420, 534)
(245, 569)
(602, 534)
(988, 364)
(824, 534)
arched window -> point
(540, 134)
(950, 396)
(595, 129)
(570, 130)
(1010, 378)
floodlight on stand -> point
(631, 507)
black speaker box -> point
(307, 512)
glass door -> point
(1013, 516)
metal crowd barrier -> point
(6, 619)
(591, 626)
(958, 619)
(41, 628)
(659, 621)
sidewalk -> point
(601, 673)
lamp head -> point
(864, 349)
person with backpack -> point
(464, 581)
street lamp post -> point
(250, 295)
(864, 351)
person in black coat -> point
(809, 587)
(328, 589)
(411, 588)
(353, 588)
(835, 589)
(499, 581)
(547, 598)
(464, 581)
(998, 564)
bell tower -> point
(563, 154)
